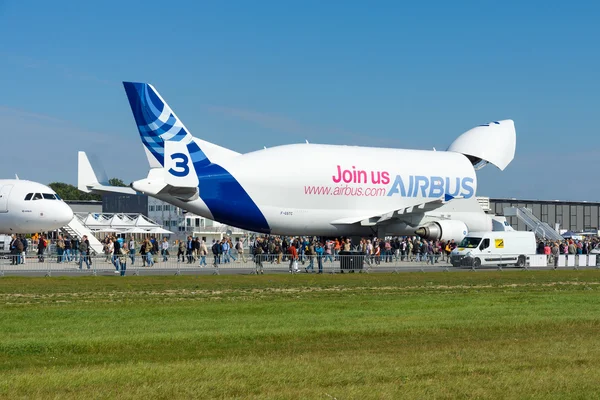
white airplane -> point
(28, 207)
(314, 189)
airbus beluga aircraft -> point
(28, 207)
(314, 189)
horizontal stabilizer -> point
(107, 189)
(88, 182)
(155, 185)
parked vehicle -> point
(494, 248)
(5, 245)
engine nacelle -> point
(443, 230)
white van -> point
(5, 244)
(494, 248)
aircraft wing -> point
(394, 214)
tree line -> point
(70, 192)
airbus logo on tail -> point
(433, 186)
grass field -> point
(510, 334)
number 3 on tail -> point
(181, 163)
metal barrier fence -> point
(158, 264)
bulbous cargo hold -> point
(315, 189)
(492, 143)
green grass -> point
(510, 334)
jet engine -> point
(443, 230)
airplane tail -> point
(157, 124)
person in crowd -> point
(196, 255)
(105, 243)
(293, 256)
(181, 251)
(258, 256)
(155, 247)
(388, 251)
(368, 252)
(548, 252)
(540, 248)
(42, 245)
(203, 252)
(15, 253)
(319, 251)
(217, 250)
(116, 253)
(24, 252)
(164, 249)
(84, 252)
(132, 245)
(67, 249)
(189, 249)
(123, 258)
(144, 250)
(382, 250)
(376, 252)
(231, 255)
(239, 248)
(328, 251)
(309, 254)
(226, 248)
(151, 251)
(75, 249)
(60, 249)
(430, 251)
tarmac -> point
(101, 267)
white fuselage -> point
(29, 207)
(307, 188)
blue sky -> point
(251, 74)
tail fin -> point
(155, 120)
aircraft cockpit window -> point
(29, 196)
(57, 197)
(49, 196)
(37, 196)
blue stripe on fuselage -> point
(226, 199)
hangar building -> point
(576, 216)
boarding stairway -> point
(541, 229)
(75, 228)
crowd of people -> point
(307, 251)
(552, 249)
(19, 245)
(295, 251)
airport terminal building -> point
(576, 216)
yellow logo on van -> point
(499, 243)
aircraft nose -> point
(65, 215)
